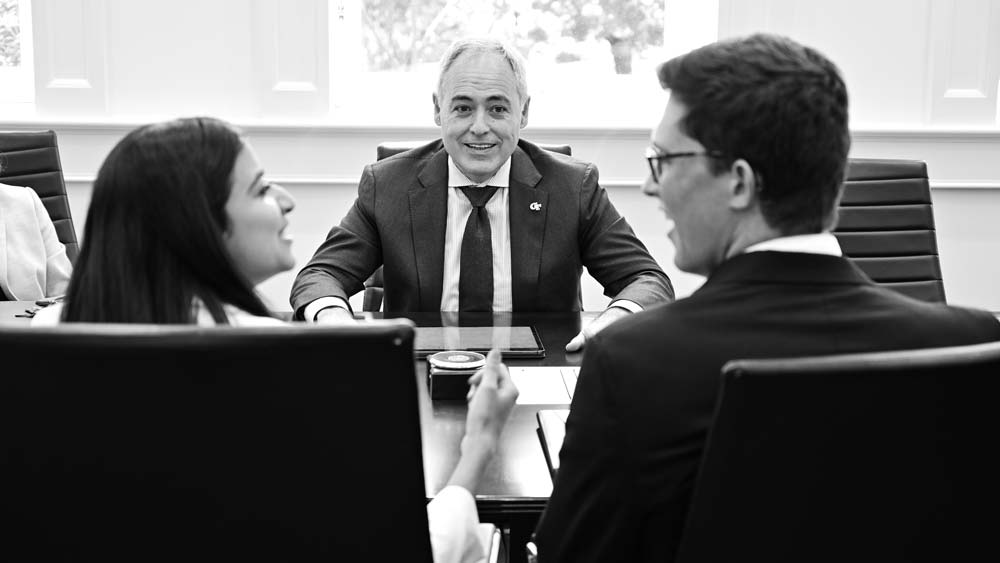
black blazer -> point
(399, 220)
(648, 386)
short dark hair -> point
(779, 105)
(153, 240)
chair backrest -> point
(886, 226)
(374, 284)
(31, 159)
(878, 457)
(132, 442)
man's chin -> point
(479, 169)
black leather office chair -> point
(31, 158)
(170, 443)
(886, 226)
(374, 284)
(865, 457)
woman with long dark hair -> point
(181, 227)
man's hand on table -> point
(610, 315)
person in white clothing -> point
(33, 263)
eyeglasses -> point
(656, 159)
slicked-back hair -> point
(153, 239)
(779, 105)
(477, 45)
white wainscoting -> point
(320, 167)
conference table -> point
(517, 484)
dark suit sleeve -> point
(591, 515)
(349, 255)
(613, 254)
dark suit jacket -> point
(399, 220)
(648, 385)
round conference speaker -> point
(457, 359)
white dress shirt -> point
(453, 523)
(816, 243)
(459, 209)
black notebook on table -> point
(512, 341)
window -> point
(584, 56)
(16, 52)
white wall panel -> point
(70, 56)
(177, 58)
(291, 57)
(965, 61)
(880, 47)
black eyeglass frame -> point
(656, 159)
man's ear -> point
(524, 112)
(743, 190)
(437, 110)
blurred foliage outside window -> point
(590, 62)
(10, 34)
(604, 36)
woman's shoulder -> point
(21, 194)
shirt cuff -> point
(453, 523)
(309, 314)
(630, 306)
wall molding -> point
(333, 157)
(317, 126)
(569, 134)
(83, 180)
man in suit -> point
(748, 163)
(547, 219)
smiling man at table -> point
(748, 160)
(480, 220)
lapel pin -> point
(535, 206)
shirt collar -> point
(816, 243)
(457, 179)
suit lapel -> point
(528, 208)
(428, 216)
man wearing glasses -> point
(748, 163)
